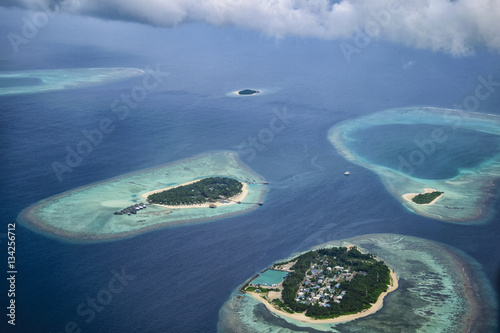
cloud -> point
(409, 64)
(457, 27)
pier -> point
(260, 203)
(131, 209)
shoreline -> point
(470, 304)
(409, 197)
(30, 219)
(232, 200)
(237, 93)
(470, 204)
(303, 318)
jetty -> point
(260, 203)
(131, 209)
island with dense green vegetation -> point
(248, 92)
(209, 189)
(102, 209)
(442, 289)
(426, 198)
(327, 283)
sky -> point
(459, 27)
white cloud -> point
(456, 27)
(409, 64)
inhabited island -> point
(182, 192)
(440, 289)
(248, 92)
(324, 284)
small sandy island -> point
(230, 201)
(409, 197)
(247, 92)
(303, 318)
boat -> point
(347, 173)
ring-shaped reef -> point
(37, 81)
(440, 289)
(425, 149)
(103, 211)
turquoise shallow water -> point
(35, 81)
(269, 277)
(434, 154)
(93, 206)
(389, 145)
(183, 275)
(440, 290)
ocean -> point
(176, 279)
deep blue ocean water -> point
(180, 277)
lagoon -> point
(269, 278)
(441, 159)
(394, 145)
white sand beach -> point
(231, 201)
(410, 196)
(302, 317)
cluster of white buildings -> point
(322, 285)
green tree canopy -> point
(206, 190)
